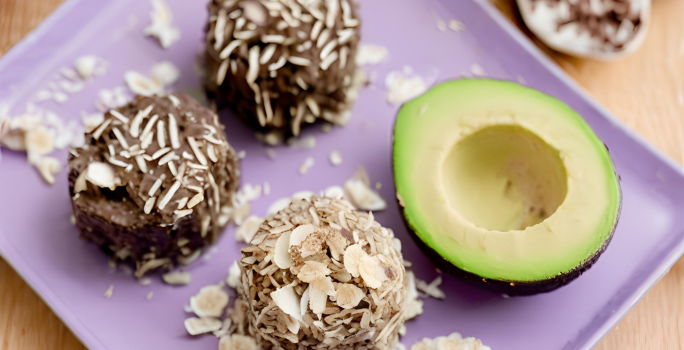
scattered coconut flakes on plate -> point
(454, 341)
(109, 292)
(237, 342)
(111, 98)
(248, 229)
(414, 306)
(209, 302)
(431, 289)
(233, 279)
(85, 66)
(456, 25)
(177, 277)
(161, 26)
(150, 295)
(302, 142)
(370, 54)
(336, 192)
(166, 73)
(196, 326)
(361, 195)
(402, 86)
(308, 163)
(335, 158)
(142, 85)
(48, 168)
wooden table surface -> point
(645, 90)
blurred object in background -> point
(599, 29)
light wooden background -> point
(645, 90)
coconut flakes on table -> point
(335, 158)
(196, 326)
(109, 292)
(432, 289)
(456, 25)
(249, 227)
(308, 141)
(454, 341)
(39, 133)
(403, 86)
(360, 194)
(177, 277)
(306, 165)
(210, 301)
(161, 25)
(371, 54)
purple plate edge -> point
(89, 340)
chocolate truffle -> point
(320, 275)
(154, 182)
(283, 63)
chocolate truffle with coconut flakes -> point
(283, 63)
(154, 182)
(318, 256)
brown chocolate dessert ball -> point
(320, 275)
(153, 182)
(280, 63)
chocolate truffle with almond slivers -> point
(283, 63)
(155, 181)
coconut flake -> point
(402, 87)
(370, 54)
(209, 302)
(196, 326)
(237, 342)
(85, 66)
(335, 158)
(48, 168)
(300, 233)
(282, 256)
(248, 229)
(101, 175)
(166, 73)
(371, 271)
(308, 142)
(287, 300)
(362, 196)
(109, 292)
(177, 277)
(308, 163)
(348, 295)
(161, 27)
(234, 272)
(142, 85)
(431, 289)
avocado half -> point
(503, 185)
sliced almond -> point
(209, 302)
(371, 272)
(278, 205)
(48, 167)
(237, 342)
(39, 141)
(101, 175)
(85, 66)
(352, 258)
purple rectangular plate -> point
(37, 239)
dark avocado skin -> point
(507, 287)
(510, 288)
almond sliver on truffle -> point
(196, 326)
(101, 175)
(209, 302)
(363, 197)
(287, 300)
(371, 272)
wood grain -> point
(645, 90)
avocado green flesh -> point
(503, 181)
